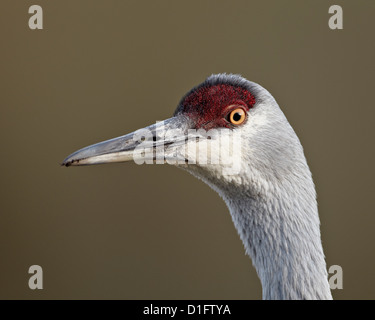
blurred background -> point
(100, 69)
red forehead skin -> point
(208, 105)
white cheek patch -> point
(217, 150)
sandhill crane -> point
(269, 192)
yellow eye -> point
(237, 116)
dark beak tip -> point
(68, 163)
(65, 164)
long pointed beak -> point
(146, 143)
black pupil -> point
(237, 116)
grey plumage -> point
(272, 199)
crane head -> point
(218, 129)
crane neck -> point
(280, 230)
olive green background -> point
(100, 69)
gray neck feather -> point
(280, 229)
(283, 241)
